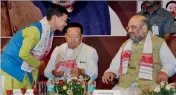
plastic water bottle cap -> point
(50, 77)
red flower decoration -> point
(23, 90)
(61, 82)
(35, 91)
(9, 92)
(74, 80)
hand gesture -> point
(76, 72)
(108, 77)
(58, 73)
(161, 76)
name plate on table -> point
(18, 92)
(106, 92)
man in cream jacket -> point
(74, 49)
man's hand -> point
(161, 76)
(167, 38)
(58, 73)
(108, 77)
(76, 72)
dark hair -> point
(169, 3)
(55, 10)
(73, 24)
(143, 5)
(157, 2)
(154, 4)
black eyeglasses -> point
(133, 27)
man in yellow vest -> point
(143, 60)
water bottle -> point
(132, 89)
(91, 86)
(50, 86)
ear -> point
(65, 34)
(54, 17)
(144, 28)
(81, 36)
